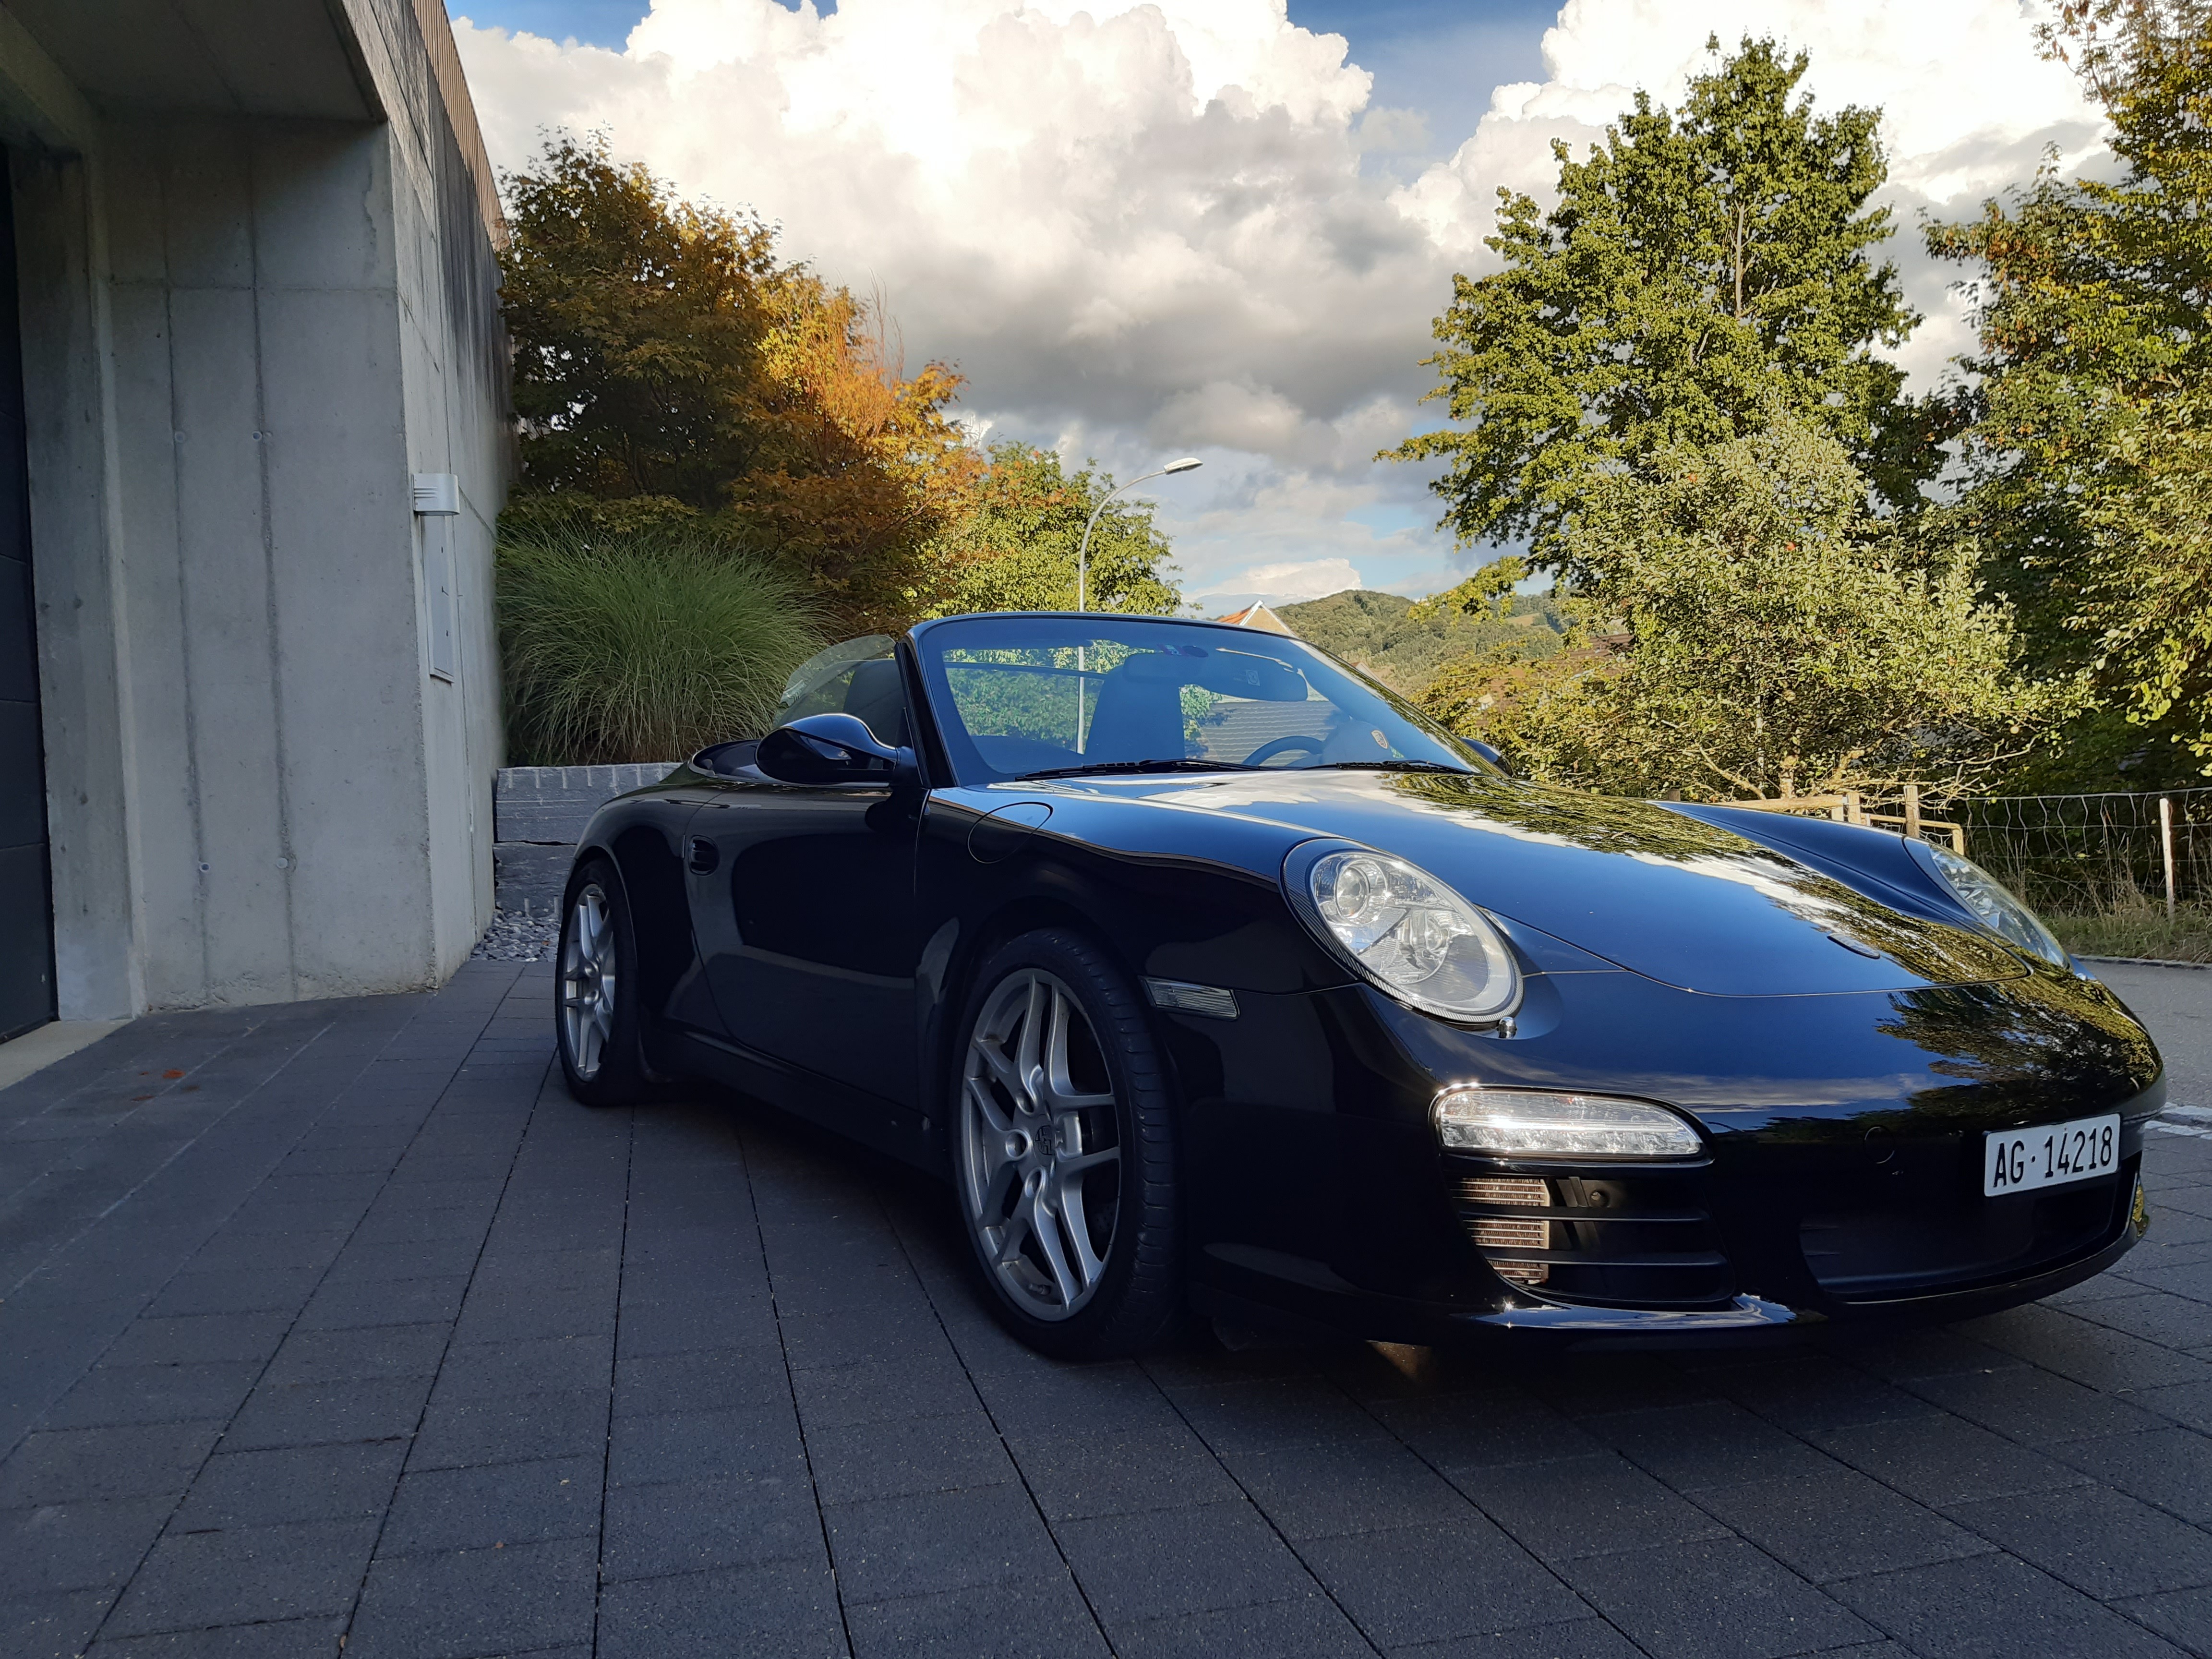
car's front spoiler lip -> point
(1744, 1313)
(1750, 1313)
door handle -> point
(705, 855)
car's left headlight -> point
(1408, 932)
(1997, 910)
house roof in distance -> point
(1256, 615)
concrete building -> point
(249, 706)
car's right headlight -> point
(1408, 932)
(1509, 1122)
(1995, 906)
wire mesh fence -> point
(2095, 853)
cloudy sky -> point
(1144, 227)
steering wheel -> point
(1267, 751)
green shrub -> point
(640, 645)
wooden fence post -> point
(1913, 812)
(2165, 849)
(1853, 812)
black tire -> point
(1024, 1212)
(612, 1070)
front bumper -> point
(1841, 1184)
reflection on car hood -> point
(1680, 901)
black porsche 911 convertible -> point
(1212, 973)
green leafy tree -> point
(1699, 268)
(1744, 626)
(1013, 544)
(670, 367)
(2090, 447)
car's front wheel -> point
(1063, 1150)
(595, 1021)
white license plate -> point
(2049, 1154)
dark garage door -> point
(27, 925)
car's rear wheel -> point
(1063, 1151)
(594, 1003)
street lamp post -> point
(1188, 463)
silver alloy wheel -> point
(1039, 1144)
(587, 981)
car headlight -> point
(1409, 933)
(1995, 906)
(1536, 1123)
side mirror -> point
(827, 749)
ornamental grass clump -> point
(642, 644)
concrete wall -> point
(244, 332)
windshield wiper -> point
(1389, 766)
(1140, 766)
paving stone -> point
(1583, 1506)
(262, 1290)
(931, 1542)
(494, 1371)
(2034, 1407)
(2187, 1403)
(296, 1483)
(2169, 1468)
(110, 1394)
(1478, 1431)
(533, 1427)
(1122, 1472)
(773, 1610)
(284, 1638)
(1837, 1525)
(205, 1339)
(1939, 1460)
(507, 1503)
(2103, 1543)
(314, 1413)
(53, 1625)
(1321, 1491)
(1995, 1607)
(244, 1575)
(1583, 1638)
(2154, 1316)
(882, 1391)
(60, 1547)
(338, 1307)
(1817, 1391)
(1431, 1583)
(457, 1603)
(1164, 1564)
(991, 1621)
(1709, 1444)
(2183, 1617)
(131, 1461)
(693, 1526)
(1278, 1414)
(710, 1379)
(867, 1461)
(703, 1445)
(1716, 1599)
(2092, 1354)
(358, 1355)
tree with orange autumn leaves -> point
(670, 367)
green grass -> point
(2136, 930)
(642, 644)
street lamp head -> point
(1188, 463)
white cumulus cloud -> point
(1145, 229)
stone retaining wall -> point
(539, 813)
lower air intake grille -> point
(1622, 1236)
(1498, 1237)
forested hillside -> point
(1377, 632)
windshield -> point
(1025, 697)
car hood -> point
(1684, 902)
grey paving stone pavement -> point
(338, 1328)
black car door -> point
(804, 901)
